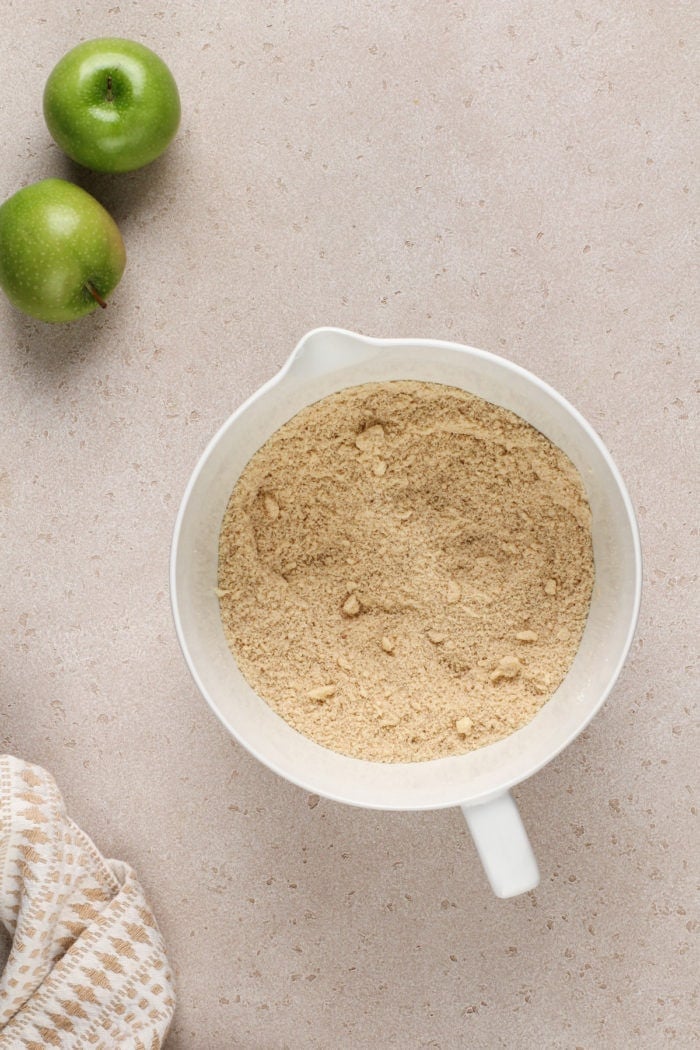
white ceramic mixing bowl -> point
(325, 361)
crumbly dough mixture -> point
(405, 571)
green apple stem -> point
(96, 295)
(110, 96)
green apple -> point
(112, 104)
(61, 253)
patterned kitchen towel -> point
(87, 966)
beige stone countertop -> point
(516, 176)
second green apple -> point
(61, 253)
(112, 104)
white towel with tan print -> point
(87, 966)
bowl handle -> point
(503, 846)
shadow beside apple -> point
(54, 351)
(125, 195)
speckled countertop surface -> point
(516, 176)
